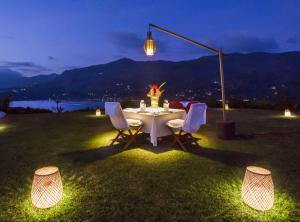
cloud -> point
(247, 43)
(130, 41)
(126, 40)
(51, 58)
(10, 37)
(71, 67)
(191, 50)
(293, 40)
(26, 68)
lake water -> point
(51, 104)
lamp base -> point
(226, 130)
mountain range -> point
(254, 75)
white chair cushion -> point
(175, 123)
(134, 122)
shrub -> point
(59, 108)
(130, 103)
(212, 102)
(21, 110)
(4, 103)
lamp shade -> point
(258, 188)
(47, 187)
(149, 45)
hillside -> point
(254, 75)
(9, 79)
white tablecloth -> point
(154, 120)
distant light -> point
(287, 113)
(226, 106)
(149, 45)
(258, 188)
(47, 187)
(98, 112)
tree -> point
(4, 103)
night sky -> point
(46, 36)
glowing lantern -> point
(258, 188)
(226, 106)
(166, 106)
(287, 113)
(47, 187)
(149, 45)
(98, 112)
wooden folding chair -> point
(128, 129)
(182, 130)
(182, 138)
(127, 136)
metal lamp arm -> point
(219, 51)
(184, 38)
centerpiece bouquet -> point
(155, 93)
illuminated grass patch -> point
(230, 192)
(5, 127)
(102, 139)
(103, 183)
(68, 204)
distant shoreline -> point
(67, 105)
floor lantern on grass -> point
(258, 188)
(98, 112)
(47, 187)
(226, 106)
(287, 113)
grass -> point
(103, 183)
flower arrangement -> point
(154, 94)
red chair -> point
(176, 105)
(189, 105)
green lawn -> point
(103, 183)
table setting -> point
(155, 117)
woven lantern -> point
(258, 188)
(149, 45)
(47, 187)
(98, 112)
(287, 113)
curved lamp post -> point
(226, 129)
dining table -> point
(154, 120)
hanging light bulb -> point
(149, 45)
